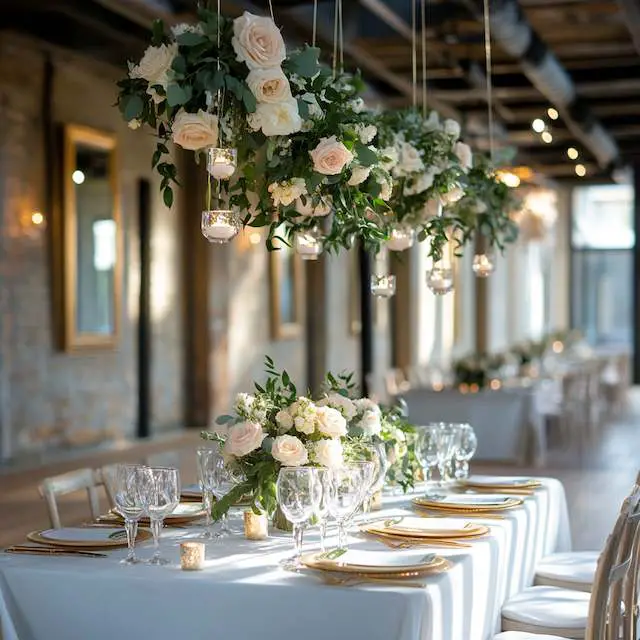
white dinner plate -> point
(420, 527)
(508, 482)
(373, 562)
(89, 537)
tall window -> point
(602, 241)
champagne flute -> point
(321, 501)
(295, 495)
(345, 496)
(160, 497)
(128, 482)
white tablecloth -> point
(507, 421)
(243, 595)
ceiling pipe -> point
(512, 31)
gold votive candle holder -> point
(376, 501)
(192, 556)
(256, 527)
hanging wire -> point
(341, 36)
(315, 23)
(270, 10)
(487, 53)
(423, 16)
(414, 55)
(335, 39)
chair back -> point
(66, 483)
(106, 476)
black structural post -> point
(366, 320)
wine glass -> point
(379, 458)
(447, 439)
(367, 471)
(207, 459)
(321, 501)
(127, 483)
(222, 480)
(467, 445)
(295, 496)
(345, 496)
(427, 450)
(160, 496)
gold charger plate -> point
(502, 503)
(427, 528)
(506, 484)
(110, 541)
(185, 513)
(424, 565)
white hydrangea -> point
(386, 189)
(390, 158)
(432, 123)
(357, 105)
(410, 161)
(451, 128)
(284, 420)
(420, 184)
(366, 133)
(304, 415)
(184, 27)
(343, 404)
(285, 193)
(251, 408)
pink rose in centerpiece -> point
(290, 451)
(330, 157)
(243, 438)
(258, 42)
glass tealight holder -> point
(308, 243)
(221, 163)
(220, 225)
(440, 279)
(383, 286)
(483, 265)
(401, 238)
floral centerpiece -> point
(477, 369)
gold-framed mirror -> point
(285, 292)
(88, 241)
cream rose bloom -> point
(358, 175)
(464, 154)
(331, 422)
(330, 156)
(284, 420)
(243, 438)
(423, 182)
(276, 119)
(289, 451)
(343, 404)
(391, 158)
(155, 64)
(195, 130)
(451, 196)
(370, 423)
(386, 190)
(366, 133)
(328, 453)
(285, 193)
(451, 128)
(410, 161)
(258, 42)
(269, 85)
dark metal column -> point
(366, 320)
(316, 323)
(636, 274)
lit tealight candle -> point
(192, 556)
(256, 527)
(376, 501)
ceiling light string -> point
(423, 17)
(487, 53)
(315, 23)
(414, 55)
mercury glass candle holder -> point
(483, 265)
(256, 526)
(221, 163)
(401, 238)
(440, 279)
(383, 286)
(308, 243)
(192, 556)
(220, 225)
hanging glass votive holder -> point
(308, 243)
(220, 225)
(440, 278)
(383, 286)
(483, 265)
(401, 238)
(221, 163)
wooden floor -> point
(596, 480)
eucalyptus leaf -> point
(177, 95)
(132, 107)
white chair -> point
(106, 476)
(82, 479)
(568, 614)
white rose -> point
(328, 453)
(331, 422)
(410, 160)
(366, 133)
(432, 122)
(244, 438)
(386, 190)
(452, 128)
(289, 451)
(357, 105)
(284, 193)
(276, 119)
(284, 419)
(156, 64)
(269, 85)
(391, 157)
(370, 423)
(195, 130)
(330, 156)
(358, 175)
(366, 404)
(343, 404)
(420, 184)
(452, 196)
(134, 124)
(258, 42)
(307, 209)
(463, 153)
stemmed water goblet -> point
(367, 472)
(207, 458)
(160, 495)
(447, 439)
(465, 450)
(295, 495)
(321, 501)
(222, 480)
(128, 482)
(427, 450)
(345, 496)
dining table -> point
(243, 593)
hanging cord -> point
(270, 10)
(423, 16)
(414, 55)
(335, 39)
(340, 36)
(315, 23)
(487, 52)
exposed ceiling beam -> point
(631, 11)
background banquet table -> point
(509, 422)
(243, 594)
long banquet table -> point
(242, 594)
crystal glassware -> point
(222, 163)
(345, 496)
(467, 445)
(427, 449)
(128, 482)
(440, 279)
(383, 286)
(401, 238)
(308, 244)
(321, 501)
(207, 459)
(295, 496)
(160, 496)
(367, 472)
(447, 442)
(221, 480)
(483, 265)
(220, 225)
